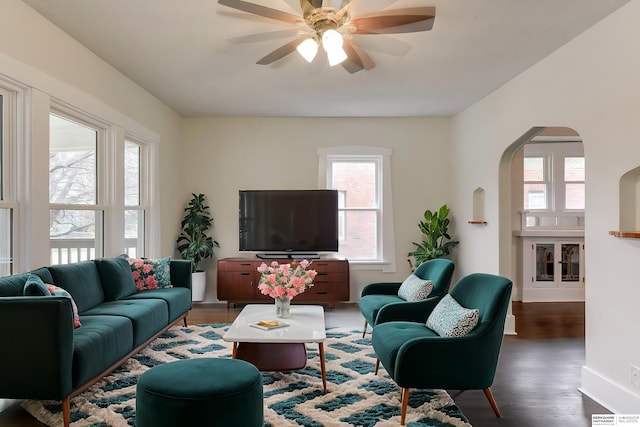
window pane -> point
(544, 262)
(358, 180)
(360, 242)
(73, 235)
(131, 174)
(534, 169)
(570, 262)
(6, 242)
(574, 196)
(72, 162)
(535, 196)
(134, 232)
(574, 169)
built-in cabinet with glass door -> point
(553, 269)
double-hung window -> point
(554, 185)
(7, 204)
(135, 167)
(76, 215)
(365, 211)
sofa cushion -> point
(151, 273)
(389, 337)
(82, 281)
(374, 302)
(148, 316)
(115, 276)
(101, 342)
(12, 286)
(34, 286)
(450, 319)
(178, 299)
(415, 288)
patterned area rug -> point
(355, 396)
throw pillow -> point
(151, 274)
(34, 286)
(450, 319)
(415, 289)
(116, 279)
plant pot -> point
(198, 285)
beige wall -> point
(224, 155)
(590, 85)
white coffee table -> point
(281, 349)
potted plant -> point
(436, 241)
(193, 244)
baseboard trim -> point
(615, 397)
(510, 325)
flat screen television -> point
(288, 221)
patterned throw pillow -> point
(151, 274)
(415, 289)
(450, 319)
(34, 286)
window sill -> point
(386, 267)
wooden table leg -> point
(234, 352)
(323, 367)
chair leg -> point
(364, 330)
(492, 401)
(405, 402)
(377, 365)
(184, 320)
(66, 411)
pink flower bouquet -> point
(285, 281)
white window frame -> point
(103, 178)
(561, 183)
(12, 98)
(144, 190)
(547, 181)
(386, 260)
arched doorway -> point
(541, 223)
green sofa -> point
(45, 357)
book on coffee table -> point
(269, 324)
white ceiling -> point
(179, 50)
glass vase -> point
(283, 307)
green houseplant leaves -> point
(436, 241)
(193, 244)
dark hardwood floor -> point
(536, 382)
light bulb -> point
(331, 39)
(336, 56)
(308, 49)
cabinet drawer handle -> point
(245, 274)
(245, 264)
(321, 293)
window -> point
(554, 185)
(76, 217)
(536, 182)
(6, 205)
(365, 215)
(574, 183)
(134, 212)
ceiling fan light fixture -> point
(336, 56)
(332, 40)
(308, 49)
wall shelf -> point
(625, 234)
(476, 221)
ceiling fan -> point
(334, 28)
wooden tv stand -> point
(238, 281)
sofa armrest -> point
(180, 270)
(37, 354)
(381, 288)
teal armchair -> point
(379, 302)
(417, 357)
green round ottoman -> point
(200, 392)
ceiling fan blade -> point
(260, 37)
(396, 21)
(282, 51)
(256, 9)
(357, 59)
(382, 43)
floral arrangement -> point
(285, 281)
